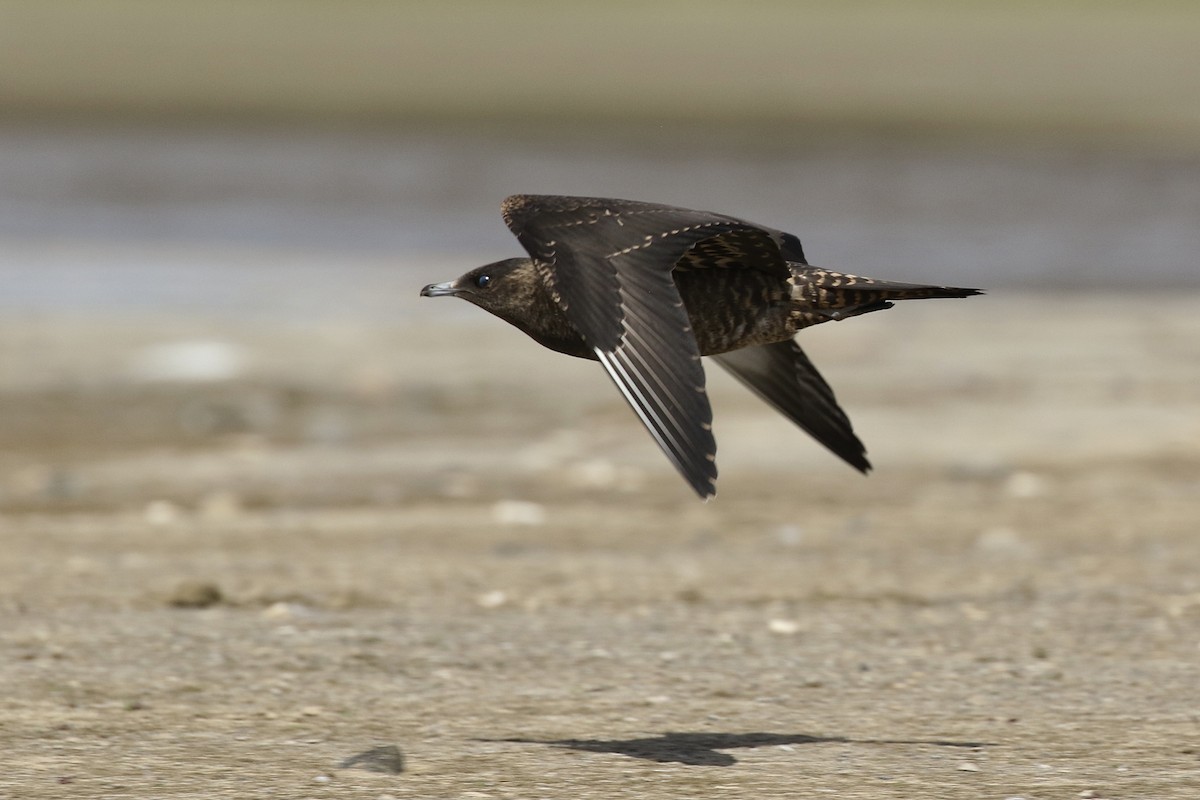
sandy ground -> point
(320, 540)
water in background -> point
(325, 222)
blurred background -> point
(159, 154)
(177, 178)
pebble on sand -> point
(519, 512)
(283, 610)
(492, 599)
(784, 627)
(1026, 485)
(162, 512)
(386, 758)
(195, 594)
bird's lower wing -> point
(781, 374)
(657, 367)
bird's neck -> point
(543, 320)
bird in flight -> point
(647, 289)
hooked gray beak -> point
(439, 289)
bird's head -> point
(503, 288)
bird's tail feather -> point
(843, 295)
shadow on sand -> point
(703, 749)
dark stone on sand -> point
(195, 594)
(386, 758)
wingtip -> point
(703, 484)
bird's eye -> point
(483, 280)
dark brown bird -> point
(647, 289)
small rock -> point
(385, 758)
(195, 594)
(322, 779)
(311, 711)
(968, 766)
(1026, 485)
(282, 610)
(492, 599)
(784, 627)
(519, 512)
(162, 512)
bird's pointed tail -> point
(838, 295)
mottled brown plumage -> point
(647, 289)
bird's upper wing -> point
(781, 374)
(609, 264)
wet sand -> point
(317, 540)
